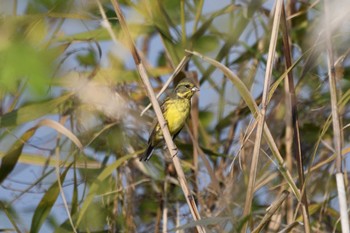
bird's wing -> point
(156, 127)
(155, 124)
(164, 106)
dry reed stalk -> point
(291, 102)
(262, 113)
(337, 137)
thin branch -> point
(291, 102)
(290, 227)
(57, 169)
(271, 210)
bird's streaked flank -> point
(176, 109)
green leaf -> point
(10, 159)
(42, 160)
(21, 61)
(31, 112)
(75, 197)
(46, 203)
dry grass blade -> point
(334, 102)
(167, 137)
(271, 210)
(60, 128)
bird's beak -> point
(194, 89)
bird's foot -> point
(165, 124)
(176, 151)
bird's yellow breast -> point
(176, 113)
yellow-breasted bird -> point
(176, 109)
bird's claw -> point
(165, 124)
(176, 151)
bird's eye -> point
(188, 86)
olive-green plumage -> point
(176, 109)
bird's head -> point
(186, 88)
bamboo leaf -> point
(41, 160)
(63, 130)
(10, 159)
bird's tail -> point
(148, 154)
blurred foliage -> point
(58, 61)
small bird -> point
(176, 108)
